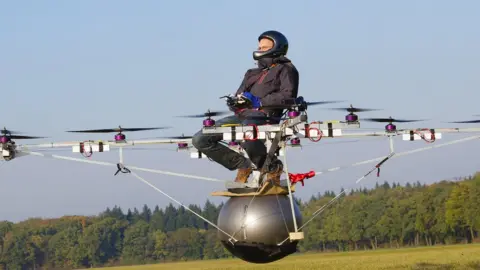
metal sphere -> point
(259, 224)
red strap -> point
(253, 109)
(299, 177)
(255, 135)
(260, 79)
(264, 74)
(239, 111)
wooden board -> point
(267, 189)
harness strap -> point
(259, 80)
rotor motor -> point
(8, 148)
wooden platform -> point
(267, 189)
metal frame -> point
(274, 136)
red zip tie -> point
(319, 134)
(255, 133)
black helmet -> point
(280, 45)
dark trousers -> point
(209, 144)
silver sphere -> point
(259, 224)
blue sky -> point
(97, 64)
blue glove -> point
(253, 99)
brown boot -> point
(243, 174)
(274, 175)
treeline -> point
(389, 215)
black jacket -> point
(272, 85)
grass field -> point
(440, 257)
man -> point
(276, 79)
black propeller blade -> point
(323, 102)
(352, 109)
(119, 129)
(266, 118)
(466, 122)
(169, 137)
(11, 134)
(299, 102)
(5, 131)
(176, 137)
(207, 114)
(20, 137)
(389, 120)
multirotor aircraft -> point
(270, 228)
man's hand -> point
(254, 101)
(232, 102)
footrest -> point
(235, 185)
(267, 189)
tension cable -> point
(377, 166)
(105, 163)
(300, 177)
(181, 204)
(398, 154)
(319, 211)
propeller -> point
(118, 130)
(352, 109)
(5, 131)
(168, 137)
(466, 122)
(324, 102)
(176, 137)
(299, 102)
(265, 118)
(390, 120)
(11, 134)
(20, 137)
(206, 114)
